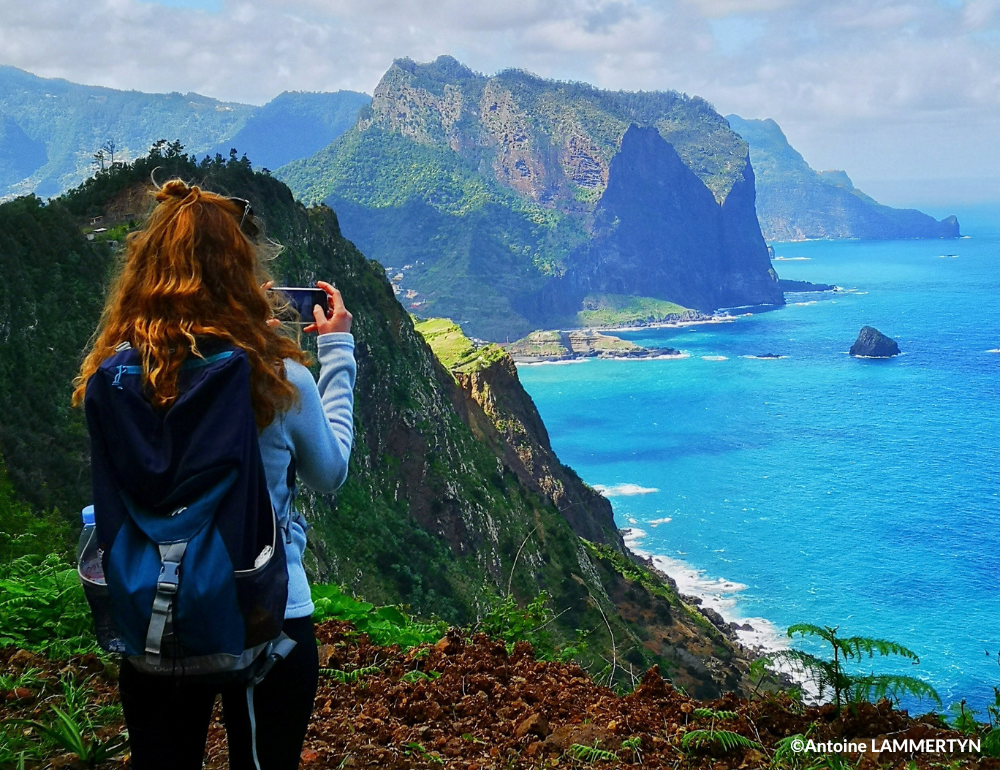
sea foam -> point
(624, 490)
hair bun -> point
(177, 188)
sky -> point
(903, 94)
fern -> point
(634, 744)
(42, 607)
(349, 677)
(727, 739)
(707, 713)
(785, 755)
(705, 736)
(875, 687)
(590, 754)
(991, 743)
(419, 676)
(830, 676)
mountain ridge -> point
(795, 202)
(480, 192)
(50, 128)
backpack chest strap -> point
(171, 555)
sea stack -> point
(871, 343)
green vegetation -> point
(631, 571)
(50, 299)
(453, 349)
(429, 517)
(531, 623)
(609, 310)
(25, 531)
(542, 344)
(383, 625)
(830, 676)
(703, 737)
(430, 178)
(795, 202)
(71, 122)
(42, 607)
(76, 733)
(81, 724)
(349, 677)
(591, 754)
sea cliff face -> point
(651, 619)
(659, 231)
(794, 202)
(488, 198)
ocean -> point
(819, 488)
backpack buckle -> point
(169, 577)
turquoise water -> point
(820, 488)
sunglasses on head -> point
(247, 223)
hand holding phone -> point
(301, 302)
(332, 317)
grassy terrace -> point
(619, 309)
(453, 349)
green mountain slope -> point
(480, 192)
(795, 202)
(452, 499)
(51, 129)
(294, 125)
(74, 121)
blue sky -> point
(903, 94)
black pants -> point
(168, 719)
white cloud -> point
(845, 78)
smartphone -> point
(302, 301)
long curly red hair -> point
(190, 273)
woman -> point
(192, 275)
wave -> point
(714, 358)
(657, 522)
(718, 594)
(994, 350)
(791, 259)
(624, 490)
(632, 535)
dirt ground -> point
(467, 703)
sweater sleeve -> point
(321, 426)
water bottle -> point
(95, 587)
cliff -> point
(453, 496)
(658, 230)
(496, 408)
(483, 196)
(794, 202)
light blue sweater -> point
(318, 433)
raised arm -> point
(321, 427)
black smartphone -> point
(302, 301)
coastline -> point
(705, 320)
(518, 361)
(756, 634)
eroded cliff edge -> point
(658, 624)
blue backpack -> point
(195, 568)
